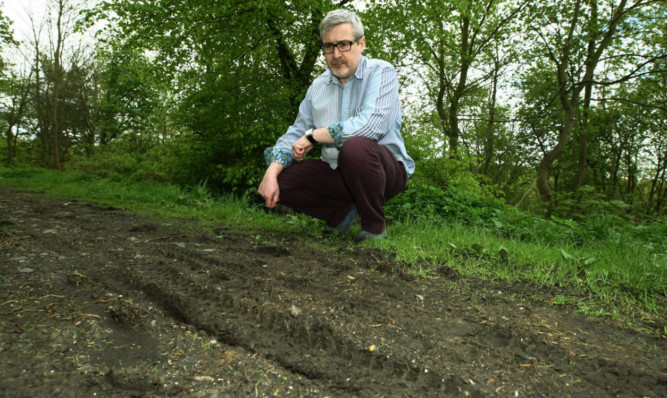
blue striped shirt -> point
(367, 106)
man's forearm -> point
(323, 136)
(274, 169)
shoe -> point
(349, 220)
(364, 236)
(345, 225)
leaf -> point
(295, 311)
(503, 253)
(566, 255)
(589, 260)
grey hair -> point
(340, 16)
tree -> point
(6, 39)
(13, 87)
(237, 69)
(574, 36)
(54, 65)
(62, 11)
(127, 97)
(641, 149)
(450, 45)
(17, 90)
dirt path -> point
(98, 302)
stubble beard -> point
(339, 73)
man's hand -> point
(269, 188)
(300, 149)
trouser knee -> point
(356, 152)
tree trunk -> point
(453, 132)
(662, 190)
(549, 158)
(55, 144)
(298, 75)
(580, 180)
(20, 93)
(658, 178)
(584, 129)
(490, 129)
(10, 148)
(57, 64)
(442, 90)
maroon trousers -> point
(367, 175)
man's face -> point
(343, 64)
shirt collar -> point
(359, 74)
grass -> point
(148, 198)
(605, 279)
(617, 275)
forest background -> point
(557, 107)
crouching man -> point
(353, 111)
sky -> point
(19, 10)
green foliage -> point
(118, 162)
(451, 39)
(421, 205)
(180, 161)
(6, 37)
(447, 172)
(233, 97)
(586, 202)
(577, 53)
(24, 173)
(130, 95)
(434, 205)
(106, 163)
(192, 92)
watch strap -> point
(309, 136)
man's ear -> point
(362, 44)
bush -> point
(26, 173)
(587, 202)
(117, 163)
(107, 162)
(428, 203)
(529, 227)
(420, 204)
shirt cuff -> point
(336, 132)
(278, 155)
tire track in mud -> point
(240, 313)
(243, 300)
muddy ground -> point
(96, 301)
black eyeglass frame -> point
(334, 46)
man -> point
(354, 112)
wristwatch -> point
(309, 135)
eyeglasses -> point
(342, 46)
